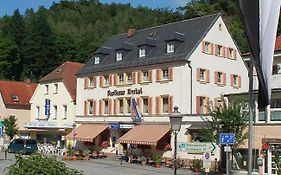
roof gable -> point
(186, 34)
(67, 74)
(17, 93)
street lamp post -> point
(73, 130)
(175, 120)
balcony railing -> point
(273, 115)
(276, 82)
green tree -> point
(39, 51)
(227, 118)
(12, 36)
(38, 164)
(10, 126)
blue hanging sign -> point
(47, 107)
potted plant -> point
(197, 164)
(86, 154)
(278, 162)
(157, 161)
(143, 160)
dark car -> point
(24, 146)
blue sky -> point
(8, 6)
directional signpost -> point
(196, 147)
(227, 139)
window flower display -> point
(168, 147)
(104, 144)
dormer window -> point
(170, 48)
(141, 53)
(97, 60)
(15, 98)
(119, 56)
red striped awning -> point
(87, 132)
(145, 134)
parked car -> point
(24, 146)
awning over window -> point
(87, 132)
(145, 134)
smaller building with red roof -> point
(14, 101)
(53, 104)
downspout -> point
(191, 87)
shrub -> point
(38, 164)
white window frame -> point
(120, 103)
(165, 74)
(119, 56)
(105, 106)
(56, 88)
(207, 47)
(202, 74)
(91, 81)
(55, 107)
(106, 80)
(145, 76)
(219, 50)
(90, 107)
(129, 78)
(235, 80)
(128, 106)
(203, 105)
(46, 89)
(165, 107)
(220, 78)
(64, 107)
(142, 52)
(37, 112)
(231, 53)
(143, 105)
(170, 48)
(121, 79)
(97, 60)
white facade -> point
(62, 109)
(182, 89)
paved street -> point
(105, 166)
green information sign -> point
(196, 147)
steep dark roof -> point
(187, 34)
(65, 73)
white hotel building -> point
(188, 64)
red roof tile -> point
(20, 91)
(278, 43)
(67, 74)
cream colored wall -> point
(22, 116)
(59, 99)
(215, 63)
(263, 131)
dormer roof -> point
(189, 32)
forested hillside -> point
(34, 43)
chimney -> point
(27, 81)
(131, 31)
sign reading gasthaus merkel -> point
(196, 147)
